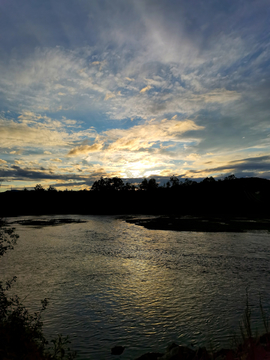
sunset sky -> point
(133, 88)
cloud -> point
(16, 152)
(146, 135)
(85, 149)
(110, 69)
(45, 175)
(218, 96)
(109, 96)
(101, 63)
(140, 137)
(193, 156)
(254, 166)
(56, 160)
(148, 87)
(34, 130)
(20, 134)
(2, 161)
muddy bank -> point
(51, 222)
(202, 224)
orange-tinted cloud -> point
(85, 149)
(148, 87)
(146, 135)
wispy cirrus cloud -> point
(32, 130)
(140, 137)
(85, 149)
(89, 85)
(148, 87)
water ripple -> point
(112, 283)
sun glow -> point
(138, 169)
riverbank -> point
(250, 349)
(202, 223)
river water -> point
(114, 283)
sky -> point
(134, 89)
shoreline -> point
(251, 348)
(202, 223)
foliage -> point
(108, 184)
(209, 180)
(173, 182)
(7, 238)
(230, 177)
(189, 182)
(148, 185)
(129, 187)
(21, 335)
(51, 188)
(39, 188)
(117, 184)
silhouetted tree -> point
(209, 180)
(230, 177)
(117, 184)
(129, 187)
(39, 187)
(51, 188)
(143, 185)
(174, 181)
(148, 185)
(108, 184)
(188, 182)
(99, 185)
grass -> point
(250, 346)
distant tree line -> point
(117, 184)
(115, 196)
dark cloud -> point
(207, 63)
(255, 166)
(18, 173)
(72, 23)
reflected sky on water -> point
(113, 283)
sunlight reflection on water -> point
(110, 282)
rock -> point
(171, 346)
(202, 354)
(150, 356)
(117, 350)
(224, 354)
(265, 339)
(178, 353)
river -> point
(114, 283)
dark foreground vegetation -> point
(231, 196)
(251, 348)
